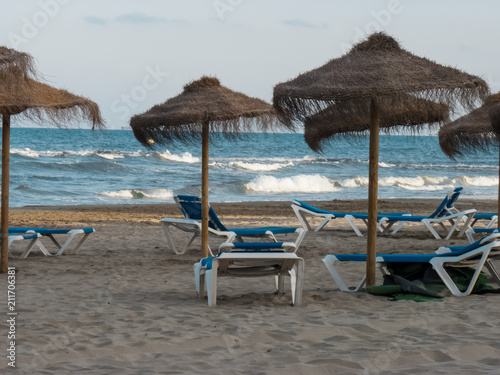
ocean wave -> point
(105, 154)
(111, 156)
(160, 194)
(294, 184)
(258, 167)
(478, 180)
(186, 157)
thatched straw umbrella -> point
(376, 71)
(23, 96)
(333, 123)
(205, 106)
(479, 130)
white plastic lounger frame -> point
(455, 219)
(191, 226)
(479, 256)
(33, 239)
(72, 234)
(303, 211)
(485, 231)
(53, 232)
(251, 264)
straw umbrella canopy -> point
(479, 130)
(204, 107)
(36, 101)
(379, 72)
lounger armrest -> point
(471, 212)
(181, 221)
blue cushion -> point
(484, 215)
(48, 230)
(261, 231)
(258, 246)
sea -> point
(83, 166)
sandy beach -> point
(126, 305)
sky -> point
(128, 55)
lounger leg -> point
(299, 282)
(170, 240)
(350, 220)
(280, 283)
(293, 283)
(199, 278)
(323, 223)
(398, 227)
(329, 261)
(211, 281)
(32, 243)
(303, 220)
(492, 222)
(431, 229)
(489, 265)
(191, 240)
(470, 235)
(438, 266)
(384, 229)
(467, 225)
(68, 241)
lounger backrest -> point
(190, 205)
(447, 203)
(455, 194)
(441, 210)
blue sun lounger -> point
(490, 217)
(52, 232)
(385, 220)
(439, 217)
(478, 254)
(251, 259)
(304, 211)
(484, 231)
(33, 239)
(190, 206)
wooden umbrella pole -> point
(372, 194)
(4, 219)
(204, 190)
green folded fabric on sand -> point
(419, 282)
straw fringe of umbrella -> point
(337, 121)
(472, 132)
(40, 102)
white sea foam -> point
(300, 183)
(25, 152)
(479, 181)
(111, 156)
(385, 165)
(408, 183)
(160, 194)
(183, 158)
(259, 167)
